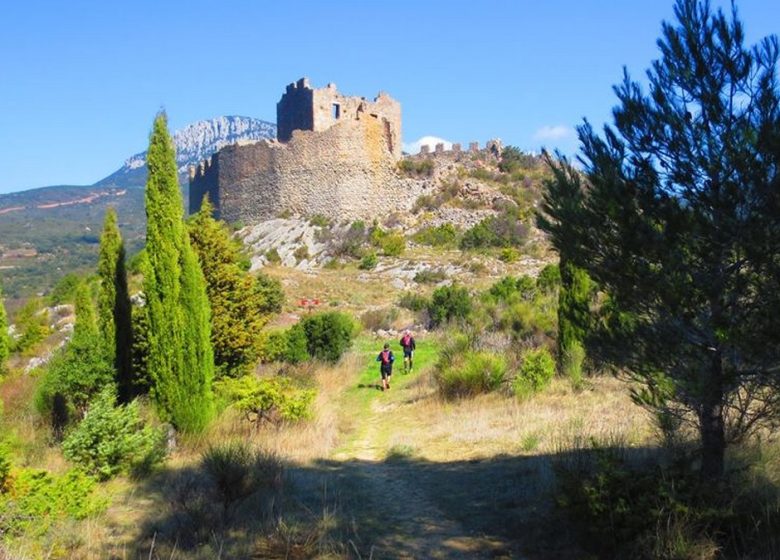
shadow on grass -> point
(405, 507)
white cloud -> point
(430, 141)
(552, 133)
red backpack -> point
(385, 356)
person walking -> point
(385, 359)
(409, 346)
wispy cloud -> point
(430, 141)
(553, 133)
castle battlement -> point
(493, 148)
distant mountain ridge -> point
(195, 143)
(60, 224)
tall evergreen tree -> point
(180, 360)
(677, 220)
(5, 343)
(238, 306)
(114, 310)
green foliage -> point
(509, 255)
(416, 167)
(301, 253)
(658, 219)
(113, 439)
(268, 399)
(270, 294)
(318, 220)
(469, 373)
(504, 230)
(351, 243)
(34, 499)
(392, 244)
(574, 315)
(328, 335)
(549, 278)
(536, 371)
(5, 342)
(273, 256)
(437, 236)
(140, 350)
(114, 310)
(64, 290)
(513, 159)
(240, 303)
(5, 466)
(237, 471)
(369, 261)
(430, 276)
(572, 363)
(180, 358)
(31, 327)
(78, 372)
(379, 318)
(283, 345)
(414, 301)
(620, 510)
(449, 303)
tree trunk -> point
(711, 424)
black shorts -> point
(407, 352)
(386, 371)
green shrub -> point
(414, 301)
(504, 230)
(272, 255)
(272, 399)
(449, 303)
(382, 318)
(113, 439)
(31, 327)
(430, 276)
(425, 202)
(470, 374)
(5, 465)
(509, 255)
(536, 371)
(34, 499)
(283, 345)
(301, 253)
(572, 361)
(416, 167)
(351, 243)
(238, 472)
(393, 244)
(328, 335)
(318, 220)
(271, 292)
(297, 345)
(437, 236)
(64, 290)
(369, 261)
(549, 278)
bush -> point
(301, 253)
(471, 374)
(437, 236)
(392, 244)
(113, 439)
(414, 301)
(549, 278)
(5, 466)
(271, 292)
(509, 255)
(536, 371)
(238, 472)
(449, 303)
(272, 256)
(572, 361)
(503, 230)
(34, 499)
(382, 318)
(273, 399)
(283, 346)
(318, 220)
(416, 167)
(429, 276)
(351, 244)
(328, 335)
(369, 261)
(31, 326)
(64, 290)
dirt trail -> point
(412, 525)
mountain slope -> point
(49, 231)
(194, 143)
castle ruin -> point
(334, 155)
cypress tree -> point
(5, 344)
(180, 360)
(114, 310)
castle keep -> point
(335, 155)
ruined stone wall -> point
(304, 108)
(346, 171)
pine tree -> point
(574, 316)
(114, 310)
(676, 218)
(5, 343)
(238, 306)
(180, 360)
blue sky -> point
(80, 82)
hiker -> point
(386, 359)
(407, 343)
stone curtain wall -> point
(345, 172)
